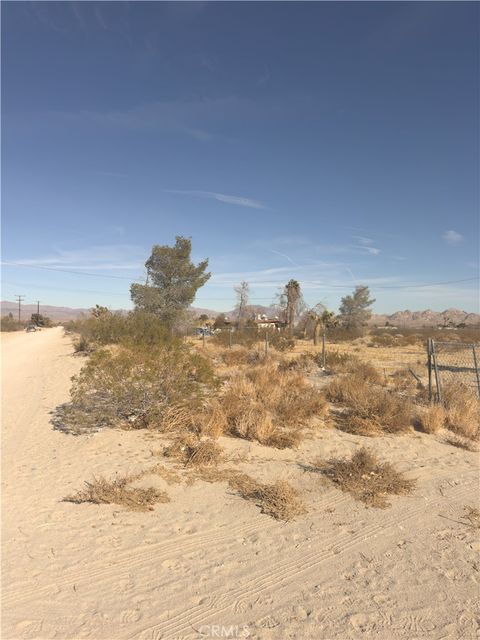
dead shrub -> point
(366, 478)
(347, 363)
(339, 362)
(302, 362)
(370, 410)
(252, 422)
(191, 451)
(462, 410)
(117, 491)
(212, 419)
(278, 500)
(262, 403)
(235, 356)
(366, 371)
(432, 419)
(176, 418)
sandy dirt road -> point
(209, 564)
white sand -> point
(210, 558)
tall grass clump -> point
(269, 405)
(370, 410)
(462, 408)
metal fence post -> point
(437, 374)
(266, 342)
(324, 352)
(230, 338)
(429, 364)
(476, 368)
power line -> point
(80, 273)
(279, 283)
(318, 285)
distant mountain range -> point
(399, 318)
(57, 314)
(426, 318)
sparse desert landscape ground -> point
(208, 557)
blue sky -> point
(335, 143)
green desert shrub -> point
(134, 328)
(135, 387)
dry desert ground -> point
(208, 563)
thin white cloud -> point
(364, 240)
(452, 237)
(220, 197)
(98, 258)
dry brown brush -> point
(191, 451)
(279, 500)
(269, 406)
(366, 478)
(117, 491)
(370, 410)
(462, 408)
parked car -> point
(203, 331)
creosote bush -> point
(135, 387)
(134, 328)
(366, 478)
(371, 410)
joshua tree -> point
(322, 319)
(291, 300)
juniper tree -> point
(355, 309)
(172, 281)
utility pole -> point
(20, 299)
(38, 307)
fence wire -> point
(453, 363)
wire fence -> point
(452, 363)
(446, 362)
